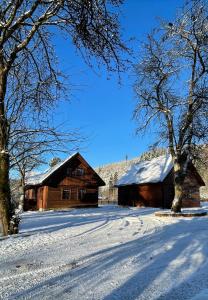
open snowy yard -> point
(105, 253)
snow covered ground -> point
(108, 253)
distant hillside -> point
(110, 173)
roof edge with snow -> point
(39, 179)
(153, 171)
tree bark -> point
(5, 200)
(178, 198)
(5, 204)
(178, 187)
(22, 195)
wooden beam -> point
(45, 197)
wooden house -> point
(151, 183)
(71, 183)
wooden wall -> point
(55, 197)
(50, 195)
(161, 194)
(30, 202)
(168, 190)
(191, 191)
(141, 195)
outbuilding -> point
(151, 183)
(70, 183)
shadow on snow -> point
(156, 260)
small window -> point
(66, 194)
(69, 171)
(82, 193)
(79, 172)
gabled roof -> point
(152, 171)
(40, 178)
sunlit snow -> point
(105, 253)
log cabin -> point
(70, 183)
(151, 183)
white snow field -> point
(109, 253)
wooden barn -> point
(71, 183)
(151, 183)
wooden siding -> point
(55, 197)
(60, 177)
(141, 195)
(49, 195)
(161, 194)
(150, 195)
(40, 203)
(168, 190)
(191, 191)
(30, 202)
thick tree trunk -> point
(5, 205)
(5, 201)
(177, 201)
(179, 176)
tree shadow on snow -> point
(154, 260)
(48, 222)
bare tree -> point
(29, 147)
(54, 161)
(172, 87)
(29, 77)
(25, 167)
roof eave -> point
(28, 186)
(140, 183)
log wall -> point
(161, 194)
(82, 187)
(55, 197)
(191, 191)
(141, 195)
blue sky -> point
(99, 105)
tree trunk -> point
(5, 201)
(22, 195)
(178, 187)
(177, 201)
(5, 205)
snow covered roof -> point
(152, 171)
(39, 178)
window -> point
(79, 172)
(81, 194)
(69, 171)
(66, 194)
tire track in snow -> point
(145, 224)
(94, 229)
(113, 222)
